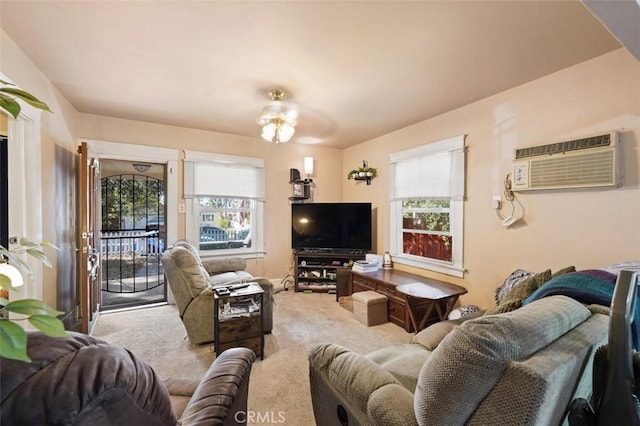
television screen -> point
(331, 226)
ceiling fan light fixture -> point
(278, 120)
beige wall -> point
(279, 158)
(58, 142)
(585, 228)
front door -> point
(88, 238)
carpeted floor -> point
(279, 384)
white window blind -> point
(223, 176)
(434, 170)
(225, 180)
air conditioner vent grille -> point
(561, 147)
(587, 170)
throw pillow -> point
(513, 300)
(563, 271)
(511, 281)
(463, 311)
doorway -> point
(133, 233)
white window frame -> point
(193, 210)
(456, 208)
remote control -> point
(238, 286)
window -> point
(426, 206)
(225, 205)
(225, 223)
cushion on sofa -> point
(510, 282)
(513, 299)
(227, 277)
(471, 359)
(353, 375)
(404, 362)
(224, 264)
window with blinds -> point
(226, 196)
(426, 205)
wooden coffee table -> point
(422, 298)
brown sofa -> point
(192, 282)
(80, 380)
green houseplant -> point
(9, 95)
(13, 337)
(363, 172)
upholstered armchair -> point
(80, 380)
(191, 285)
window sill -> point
(212, 254)
(431, 265)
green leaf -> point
(7, 83)
(49, 245)
(27, 97)
(5, 283)
(13, 341)
(27, 242)
(49, 325)
(10, 105)
(39, 254)
(31, 307)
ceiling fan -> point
(278, 119)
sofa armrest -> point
(221, 396)
(228, 264)
(364, 389)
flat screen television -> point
(331, 227)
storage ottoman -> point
(369, 307)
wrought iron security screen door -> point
(133, 234)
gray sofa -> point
(192, 282)
(521, 367)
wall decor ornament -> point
(363, 173)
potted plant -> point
(13, 337)
(363, 173)
(352, 174)
(370, 172)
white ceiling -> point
(356, 70)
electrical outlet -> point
(182, 208)
(497, 202)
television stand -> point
(318, 271)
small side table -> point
(423, 298)
(238, 319)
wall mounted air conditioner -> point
(579, 163)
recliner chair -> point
(192, 289)
(81, 380)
